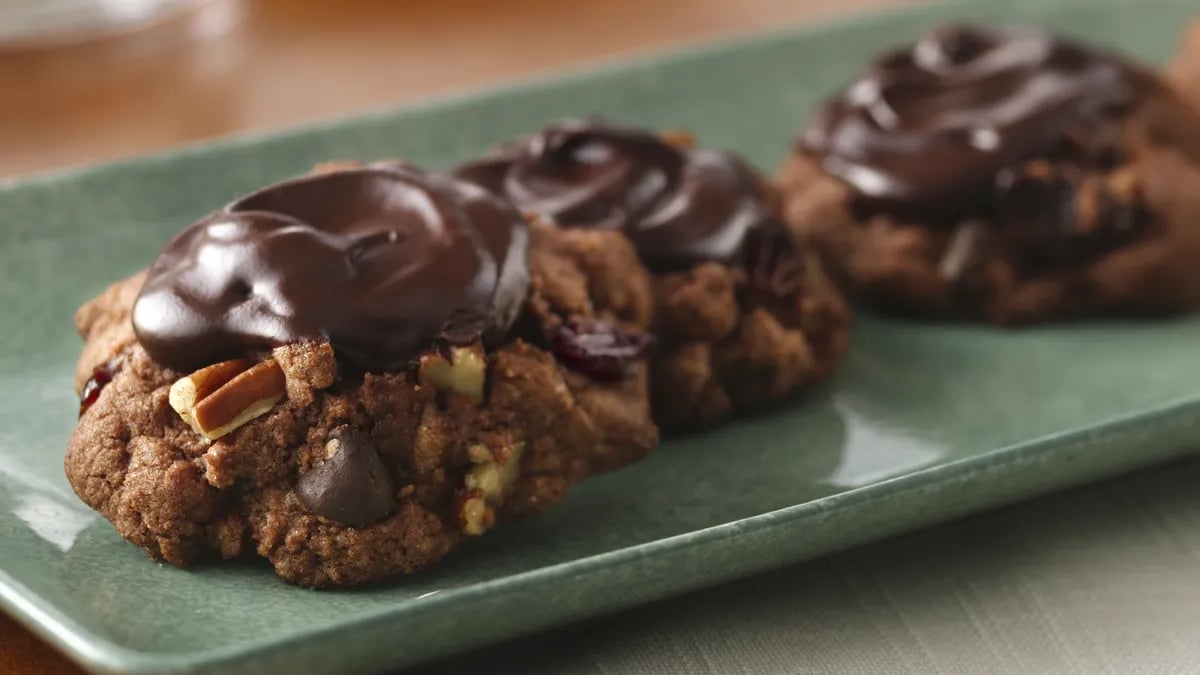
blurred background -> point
(92, 80)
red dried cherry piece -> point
(599, 349)
(101, 376)
(774, 265)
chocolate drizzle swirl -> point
(679, 205)
(380, 260)
(930, 126)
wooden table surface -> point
(235, 66)
(268, 63)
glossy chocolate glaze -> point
(679, 205)
(933, 124)
(380, 260)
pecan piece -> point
(488, 482)
(461, 370)
(219, 398)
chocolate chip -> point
(599, 349)
(101, 376)
(351, 486)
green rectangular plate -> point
(924, 423)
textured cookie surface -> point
(1185, 66)
(743, 317)
(348, 477)
(734, 338)
(1084, 202)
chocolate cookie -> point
(743, 316)
(1008, 176)
(350, 372)
(1185, 67)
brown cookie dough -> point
(1185, 67)
(743, 316)
(735, 338)
(349, 476)
(1084, 201)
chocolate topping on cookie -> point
(679, 205)
(380, 261)
(931, 125)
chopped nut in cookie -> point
(487, 484)
(460, 370)
(475, 516)
(219, 398)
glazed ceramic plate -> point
(924, 423)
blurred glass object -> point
(97, 85)
(26, 24)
